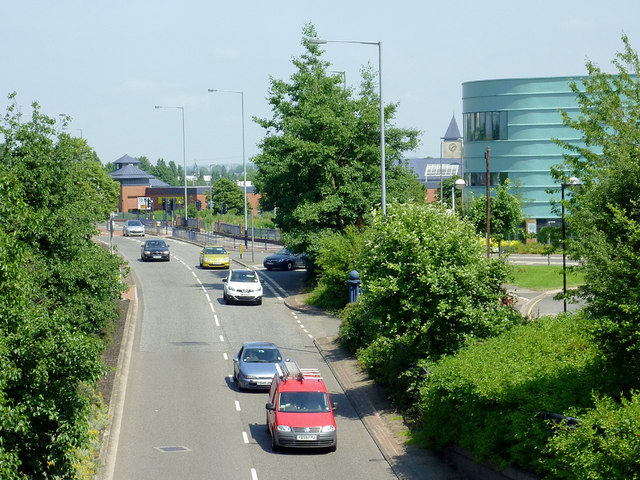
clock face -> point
(452, 147)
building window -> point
(479, 179)
(484, 126)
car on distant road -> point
(255, 365)
(214, 257)
(242, 285)
(133, 228)
(285, 259)
(155, 249)
(299, 410)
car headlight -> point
(250, 377)
(231, 288)
(165, 252)
(284, 428)
(328, 428)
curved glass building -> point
(517, 119)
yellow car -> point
(213, 256)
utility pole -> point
(487, 155)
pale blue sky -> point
(107, 63)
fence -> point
(229, 241)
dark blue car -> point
(284, 259)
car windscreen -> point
(261, 355)
(215, 251)
(283, 251)
(156, 244)
(304, 402)
(134, 223)
(249, 277)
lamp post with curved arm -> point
(318, 41)
(184, 162)
(244, 160)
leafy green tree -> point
(228, 195)
(427, 289)
(603, 212)
(505, 213)
(58, 292)
(320, 159)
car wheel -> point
(334, 447)
(269, 268)
(289, 265)
(142, 258)
(274, 446)
(259, 301)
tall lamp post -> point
(573, 181)
(184, 162)
(244, 160)
(319, 41)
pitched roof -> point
(156, 182)
(129, 172)
(127, 160)
(453, 132)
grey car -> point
(133, 227)
(255, 365)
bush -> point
(605, 445)
(489, 397)
(335, 256)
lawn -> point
(544, 277)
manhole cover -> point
(173, 449)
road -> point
(183, 416)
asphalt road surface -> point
(183, 416)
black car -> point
(156, 249)
(286, 260)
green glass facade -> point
(517, 119)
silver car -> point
(133, 228)
(255, 365)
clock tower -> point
(452, 141)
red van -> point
(300, 411)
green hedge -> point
(489, 397)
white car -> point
(133, 227)
(242, 286)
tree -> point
(228, 197)
(603, 212)
(447, 185)
(58, 292)
(427, 289)
(320, 159)
(505, 213)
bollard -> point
(354, 285)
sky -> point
(107, 64)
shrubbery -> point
(489, 398)
(427, 290)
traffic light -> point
(198, 205)
(164, 204)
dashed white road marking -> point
(237, 405)
(225, 356)
(245, 437)
(221, 338)
(215, 317)
(254, 474)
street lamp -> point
(318, 41)
(459, 184)
(573, 181)
(184, 162)
(244, 160)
